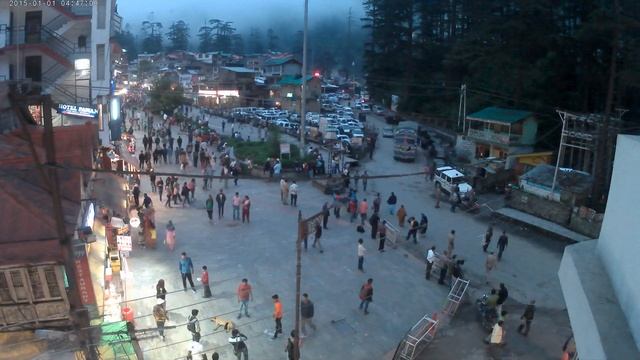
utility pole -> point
(303, 92)
(462, 107)
(604, 155)
(348, 48)
(78, 313)
(302, 233)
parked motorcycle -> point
(487, 315)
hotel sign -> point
(75, 110)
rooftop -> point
(497, 114)
(279, 61)
(238, 69)
(293, 80)
(568, 179)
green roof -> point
(292, 80)
(279, 61)
(507, 116)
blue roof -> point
(507, 116)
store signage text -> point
(75, 110)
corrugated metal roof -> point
(238, 69)
(293, 80)
(497, 114)
(279, 61)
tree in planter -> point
(166, 96)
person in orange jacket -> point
(277, 315)
(402, 214)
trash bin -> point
(127, 314)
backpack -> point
(191, 325)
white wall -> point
(101, 36)
(619, 243)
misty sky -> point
(243, 13)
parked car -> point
(446, 178)
(366, 108)
(387, 132)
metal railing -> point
(116, 24)
(44, 35)
(57, 22)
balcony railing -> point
(43, 35)
(116, 24)
(494, 137)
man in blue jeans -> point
(186, 270)
(366, 295)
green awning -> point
(115, 342)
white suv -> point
(446, 178)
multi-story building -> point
(499, 132)
(598, 278)
(288, 92)
(61, 50)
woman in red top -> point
(246, 206)
(204, 279)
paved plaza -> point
(264, 252)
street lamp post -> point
(303, 95)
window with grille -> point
(52, 281)
(5, 293)
(18, 285)
(36, 284)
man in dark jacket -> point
(527, 318)
(306, 313)
(374, 220)
(220, 199)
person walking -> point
(191, 185)
(277, 315)
(245, 295)
(489, 265)
(366, 295)
(136, 195)
(438, 194)
(237, 340)
(413, 230)
(496, 340)
(503, 295)
(293, 192)
(352, 208)
(147, 202)
(160, 315)
(487, 238)
(374, 220)
(503, 241)
(431, 258)
(193, 325)
(209, 206)
(376, 203)
(161, 293)
(317, 235)
(306, 314)
(284, 191)
(160, 187)
(402, 215)
(424, 225)
(290, 348)
(186, 270)
(443, 261)
(451, 241)
(527, 318)
(221, 198)
(382, 233)
(152, 181)
(185, 194)
(325, 215)
(363, 207)
(246, 207)
(170, 236)
(365, 180)
(236, 202)
(204, 279)
(391, 203)
(361, 252)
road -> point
(264, 253)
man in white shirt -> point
(293, 191)
(361, 252)
(431, 258)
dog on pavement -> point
(227, 325)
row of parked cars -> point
(265, 117)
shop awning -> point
(115, 342)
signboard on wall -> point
(124, 242)
(83, 275)
(75, 110)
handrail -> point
(57, 22)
